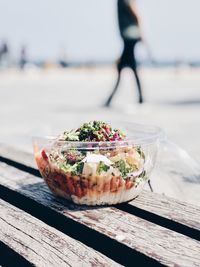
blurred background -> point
(58, 67)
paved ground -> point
(42, 102)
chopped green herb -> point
(94, 131)
(71, 136)
(77, 168)
(123, 168)
(65, 167)
(102, 167)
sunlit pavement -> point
(42, 102)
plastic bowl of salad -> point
(98, 164)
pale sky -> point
(87, 29)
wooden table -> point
(37, 228)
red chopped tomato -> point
(44, 155)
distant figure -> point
(4, 52)
(23, 57)
(129, 27)
(63, 60)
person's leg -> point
(133, 66)
(140, 96)
(107, 104)
(120, 65)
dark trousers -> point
(127, 59)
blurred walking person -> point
(23, 57)
(4, 54)
(129, 26)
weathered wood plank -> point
(157, 204)
(43, 245)
(17, 155)
(19, 159)
(163, 245)
(169, 208)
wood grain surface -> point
(43, 245)
(131, 232)
(163, 206)
(169, 208)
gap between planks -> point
(167, 212)
(42, 245)
(108, 223)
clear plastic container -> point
(103, 175)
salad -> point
(94, 164)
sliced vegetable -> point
(44, 155)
